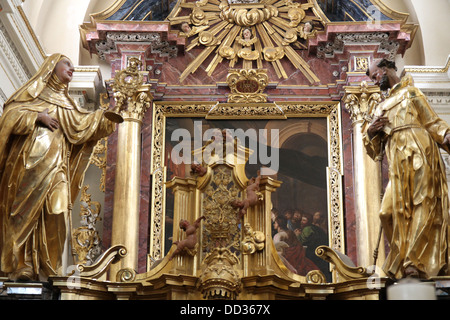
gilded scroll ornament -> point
(295, 14)
(206, 38)
(126, 275)
(253, 241)
(227, 52)
(290, 36)
(272, 54)
(99, 158)
(246, 17)
(198, 17)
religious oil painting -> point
(294, 151)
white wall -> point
(56, 23)
(431, 46)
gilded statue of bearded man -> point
(46, 141)
(414, 211)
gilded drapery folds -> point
(414, 210)
(41, 171)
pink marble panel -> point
(133, 27)
(349, 195)
(145, 201)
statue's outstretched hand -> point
(446, 142)
(47, 121)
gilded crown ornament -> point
(220, 280)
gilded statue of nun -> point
(46, 141)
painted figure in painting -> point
(46, 141)
(291, 250)
(414, 211)
(190, 243)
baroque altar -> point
(290, 76)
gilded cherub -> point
(252, 197)
(190, 243)
(188, 31)
(247, 40)
(306, 29)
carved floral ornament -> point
(251, 32)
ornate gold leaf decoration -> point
(247, 86)
(249, 32)
(99, 158)
(253, 240)
(221, 227)
(86, 240)
(220, 279)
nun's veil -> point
(33, 87)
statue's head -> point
(382, 72)
(64, 70)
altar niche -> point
(301, 149)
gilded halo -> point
(251, 32)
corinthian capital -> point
(359, 100)
(138, 104)
(132, 96)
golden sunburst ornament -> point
(248, 31)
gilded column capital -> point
(131, 95)
(138, 104)
(359, 100)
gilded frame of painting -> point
(248, 111)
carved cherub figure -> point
(306, 29)
(252, 197)
(198, 169)
(190, 242)
(188, 31)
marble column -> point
(367, 176)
